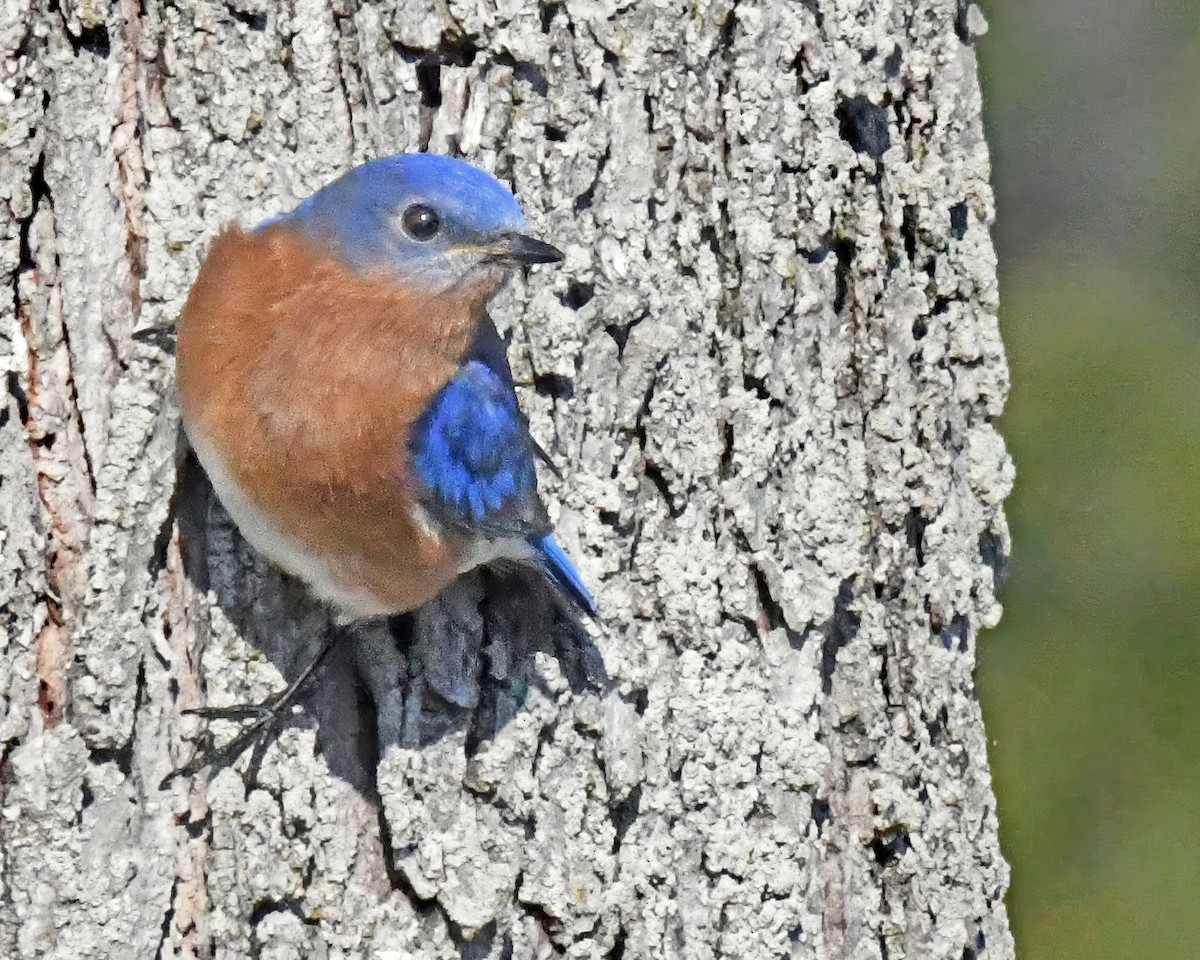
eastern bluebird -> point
(349, 397)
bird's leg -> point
(262, 714)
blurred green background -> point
(1091, 685)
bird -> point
(346, 392)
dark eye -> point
(421, 222)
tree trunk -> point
(769, 370)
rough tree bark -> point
(770, 370)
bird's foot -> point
(261, 716)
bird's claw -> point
(260, 716)
(241, 712)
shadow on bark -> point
(462, 664)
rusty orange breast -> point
(299, 382)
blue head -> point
(428, 219)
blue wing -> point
(473, 458)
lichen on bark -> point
(770, 370)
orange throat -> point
(299, 381)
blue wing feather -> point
(560, 569)
(473, 458)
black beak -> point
(518, 248)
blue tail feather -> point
(560, 569)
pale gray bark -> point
(770, 370)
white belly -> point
(268, 540)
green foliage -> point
(1091, 685)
